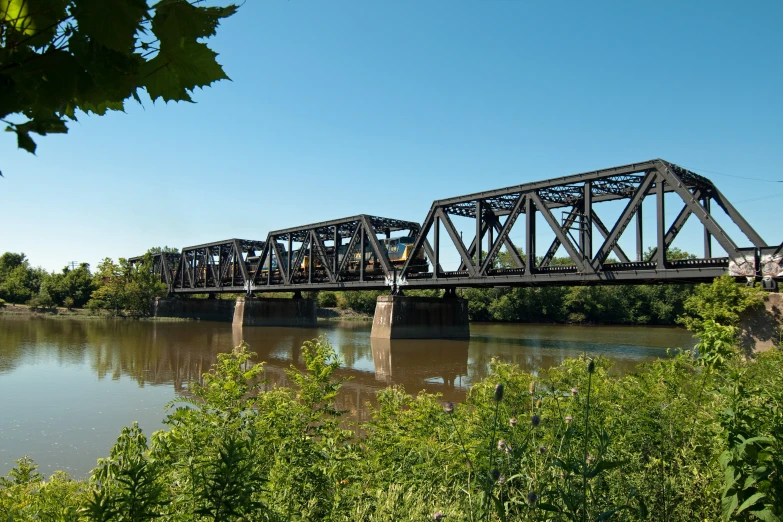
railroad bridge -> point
(367, 252)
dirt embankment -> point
(336, 314)
(10, 309)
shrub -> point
(327, 299)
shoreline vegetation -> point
(569, 443)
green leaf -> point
(729, 504)
(23, 139)
(177, 19)
(750, 501)
(729, 478)
(111, 23)
(16, 15)
(766, 515)
(172, 75)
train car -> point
(398, 249)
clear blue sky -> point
(339, 108)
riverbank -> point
(64, 313)
(74, 313)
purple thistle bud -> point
(532, 497)
(499, 392)
(574, 391)
(448, 408)
(512, 421)
(591, 366)
(494, 475)
(589, 459)
(568, 419)
(501, 445)
(438, 516)
(535, 420)
(542, 449)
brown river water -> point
(67, 387)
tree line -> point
(116, 287)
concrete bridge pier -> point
(200, 309)
(252, 311)
(403, 317)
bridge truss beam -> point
(350, 253)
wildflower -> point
(502, 480)
(591, 366)
(438, 516)
(535, 421)
(499, 392)
(448, 408)
(574, 391)
(589, 459)
(512, 421)
(568, 419)
(501, 445)
(532, 497)
(494, 475)
(542, 449)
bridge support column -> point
(251, 311)
(199, 309)
(402, 317)
(760, 328)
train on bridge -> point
(372, 252)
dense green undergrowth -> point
(692, 437)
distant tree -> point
(126, 287)
(672, 254)
(58, 57)
(75, 284)
(164, 250)
(9, 261)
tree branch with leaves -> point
(62, 57)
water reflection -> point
(70, 385)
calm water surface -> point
(69, 386)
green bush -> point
(2, 303)
(327, 299)
(362, 301)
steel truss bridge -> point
(351, 253)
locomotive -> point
(398, 249)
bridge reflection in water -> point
(434, 366)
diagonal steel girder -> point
(625, 218)
(573, 252)
(503, 239)
(698, 210)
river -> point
(69, 386)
